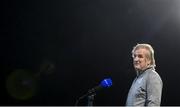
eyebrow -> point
(137, 55)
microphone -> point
(106, 83)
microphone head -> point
(106, 83)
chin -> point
(138, 69)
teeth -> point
(137, 62)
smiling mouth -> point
(136, 63)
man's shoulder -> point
(153, 75)
(153, 72)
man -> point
(146, 88)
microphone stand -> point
(91, 99)
(90, 95)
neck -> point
(139, 72)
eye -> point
(140, 56)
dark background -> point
(87, 41)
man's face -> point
(140, 59)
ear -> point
(148, 62)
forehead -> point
(141, 51)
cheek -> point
(146, 62)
